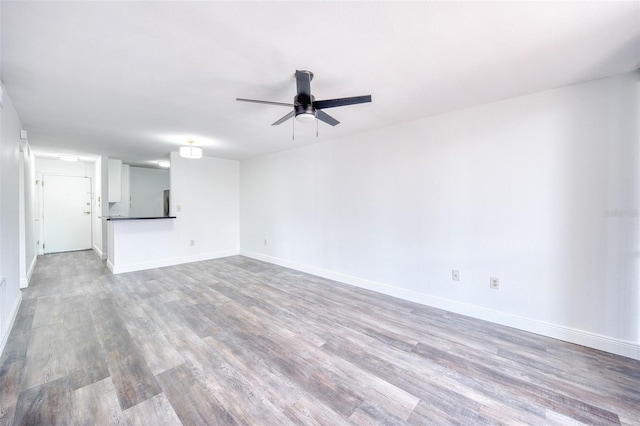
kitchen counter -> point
(136, 243)
(136, 218)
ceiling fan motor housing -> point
(303, 107)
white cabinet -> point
(123, 207)
(115, 181)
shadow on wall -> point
(605, 166)
(601, 209)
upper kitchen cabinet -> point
(115, 181)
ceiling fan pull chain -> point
(316, 113)
(293, 130)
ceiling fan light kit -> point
(305, 107)
(190, 151)
(306, 117)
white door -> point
(66, 213)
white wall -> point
(205, 199)
(27, 218)
(49, 166)
(540, 191)
(147, 189)
(104, 204)
(10, 294)
(52, 166)
(30, 196)
(97, 211)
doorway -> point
(66, 213)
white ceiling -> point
(134, 80)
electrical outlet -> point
(178, 208)
(455, 275)
(494, 283)
(265, 241)
(192, 243)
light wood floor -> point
(236, 340)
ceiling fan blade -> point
(323, 116)
(332, 103)
(285, 118)
(303, 82)
(264, 102)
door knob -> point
(87, 212)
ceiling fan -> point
(305, 107)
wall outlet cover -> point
(494, 283)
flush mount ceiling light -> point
(190, 151)
(164, 163)
(67, 157)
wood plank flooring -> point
(238, 341)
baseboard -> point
(24, 282)
(592, 340)
(11, 319)
(159, 263)
(99, 252)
